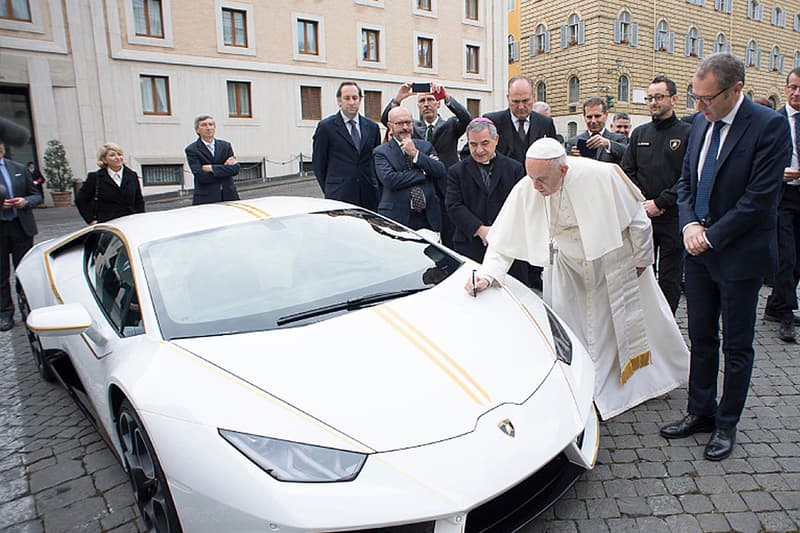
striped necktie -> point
(707, 174)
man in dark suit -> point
(519, 126)
(212, 163)
(477, 186)
(17, 226)
(408, 169)
(727, 207)
(605, 145)
(342, 151)
(783, 300)
(442, 134)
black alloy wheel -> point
(144, 471)
(42, 365)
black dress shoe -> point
(786, 330)
(688, 425)
(720, 445)
(6, 323)
(775, 318)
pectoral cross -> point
(553, 251)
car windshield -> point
(285, 272)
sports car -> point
(296, 364)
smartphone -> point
(421, 87)
(585, 150)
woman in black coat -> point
(112, 191)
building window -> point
(664, 39)
(752, 55)
(540, 43)
(307, 37)
(473, 59)
(234, 27)
(147, 18)
(755, 10)
(541, 92)
(372, 105)
(574, 90)
(424, 52)
(796, 59)
(15, 10)
(239, 99)
(624, 31)
(423, 5)
(162, 174)
(797, 22)
(155, 95)
(694, 44)
(513, 49)
(697, 2)
(778, 17)
(474, 107)
(471, 9)
(572, 129)
(573, 32)
(720, 45)
(726, 6)
(248, 171)
(310, 103)
(370, 45)
(690, 101)
(623, 89)
(776, 60)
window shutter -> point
(655, 41)
(700, 46)
(671, 45)
(617, 31)
(546, 42)
(774, 17)
(564, 37)
(780, 63)
(532, 45)
(797, 22)
(581, 32)
(687, 46)
(727, 47)
(760, 12)
(758, 58)
(634, 35)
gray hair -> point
(726, 68)
(200, 118)
(541, 105)
(479, 125)
(558, 162)
(623, 115)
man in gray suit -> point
(604, 145)
(17, 226)
(442, 134)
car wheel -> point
(144, 471)
(33, 339)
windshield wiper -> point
(348, 305)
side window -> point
(108, 269)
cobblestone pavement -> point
(56, 474)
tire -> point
(39, 358)
(145, 474)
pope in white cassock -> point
(584, 222)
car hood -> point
(411, 371)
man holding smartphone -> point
(17, 226)
(442, 134)
(597, 142)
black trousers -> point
(783, 299)
(668, 249)
(14, 242)
(708, 297)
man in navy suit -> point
(342, 151)
(17, 226)
(606, 145)
(408, 169)
(212, 163)
(477, 186)
(727, 207)
(783, 300)
(519, 125)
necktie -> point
(707, 174)
(797, 135)
(521, 130)
(418, 202)
(117, 179)
(354, 133)
(211, 149)
(429, 134)
(7, 214)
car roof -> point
(156, 225)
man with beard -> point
(603, 145)
(653, 161)
(408, 169)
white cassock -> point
(601, 233)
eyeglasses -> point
(402, 122)
(705, 100)
(656, 97)
(792, 88)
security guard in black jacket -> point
(653, 160)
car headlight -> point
(561, 339)
(293, 461)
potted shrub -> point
(59, 173)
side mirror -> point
(59, 320)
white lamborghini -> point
(293, 364)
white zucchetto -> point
(545, 148)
